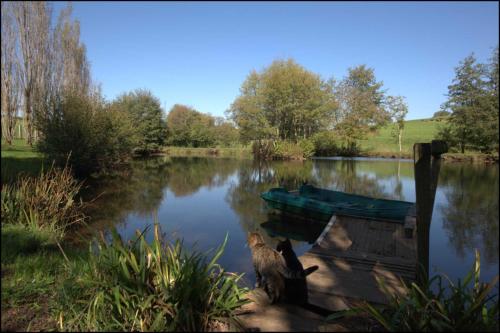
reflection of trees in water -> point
(471, 214)
(138, 189)
(343, 175)
(244, 196)
(189, 174)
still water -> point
(202, 199)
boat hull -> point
(322, 204)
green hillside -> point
(420, 130)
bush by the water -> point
(465, 306)
(282, 150)
(47, 202)
(137, 286)
(327, 143)
(145, 112)
(93, 135)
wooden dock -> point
(351, 254)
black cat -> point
(295, 289)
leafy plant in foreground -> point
(456, 308)
(155, 287)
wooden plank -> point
(360, 263)
(326, 230)
(410, 225)
(350, 280)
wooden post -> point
(427, 162)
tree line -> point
(46, 74)
(287, 102)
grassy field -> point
(382, 143)
(20, 158)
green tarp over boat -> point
(322, 204)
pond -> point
(202, 199)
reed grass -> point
(47, 202)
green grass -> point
(33, 273)
(382, 143)
(113, 285)
(20, 158)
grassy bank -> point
(384, 145)
(34, 274)
(50, 284)
(20, 158)
(117, 287)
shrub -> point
(446, 133)
(94, 136)
(263, 149)
(457, 308)
(325, 143)
(157, 287)
(47, 202)
(286, 150)
(145, 112)
(282, 150)
(307, 147)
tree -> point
(188, 127)
(486, 134)
(397, 108)
(145, 112)
(33, 27)
(361, 101)
(10, 80)
(283, 101)
(71, 67)
(473, 102)
(225, 133)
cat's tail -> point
(296, 274)
(311, 269)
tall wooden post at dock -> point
(427, 162)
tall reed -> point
(46, 202)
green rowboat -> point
(322, 204)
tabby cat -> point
(270, 268)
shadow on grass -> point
(13, 167)
(17, 240)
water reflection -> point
(471, 211)
(200, 199)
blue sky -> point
(199, 53)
